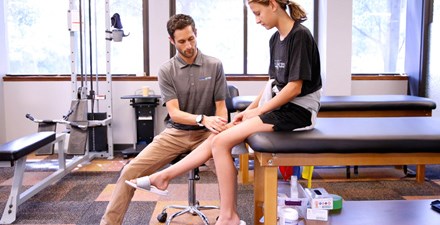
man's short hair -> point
(179, 22)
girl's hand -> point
(247, 114)
(251, 113)
(238, 118)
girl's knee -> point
(219, 140)
(221, 144)
(216, 141)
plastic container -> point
(293, 187)
(300, 203)
(288, 216)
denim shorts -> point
(288, 117)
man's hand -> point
(215, 124)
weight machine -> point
(91, 105)
(90, 115)
(85, 125)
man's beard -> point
(188, 53)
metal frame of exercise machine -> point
(79, 97)
(82, 61)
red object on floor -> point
(286, 172)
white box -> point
(322, 203)
(317, 214)
(320, 199)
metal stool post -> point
(193, 206)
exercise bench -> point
(341, 141)
(14, 154)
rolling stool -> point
(193, 206)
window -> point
(378, 36)
(258, 40)
(221, 34)
(434, 56)
(127, 57)
(39, 42)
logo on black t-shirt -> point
(279, 65)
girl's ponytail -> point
(296, 11)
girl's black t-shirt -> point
(295, 58)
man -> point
(193, 88)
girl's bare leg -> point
(226, 171)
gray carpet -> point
(68, 203)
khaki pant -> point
(165, 147)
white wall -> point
(3, 69)
(160, 47)
(51, 100)
(379, 87)
(335, 46)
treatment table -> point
(340, 141)
(353, 106)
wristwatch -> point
(199, 120)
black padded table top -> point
(355, 135)
(358, 102)
(375, 102)
(20, 147)
(241, 102)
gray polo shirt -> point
(196, 86)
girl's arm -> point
(290, 91)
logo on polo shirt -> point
(204, 78)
